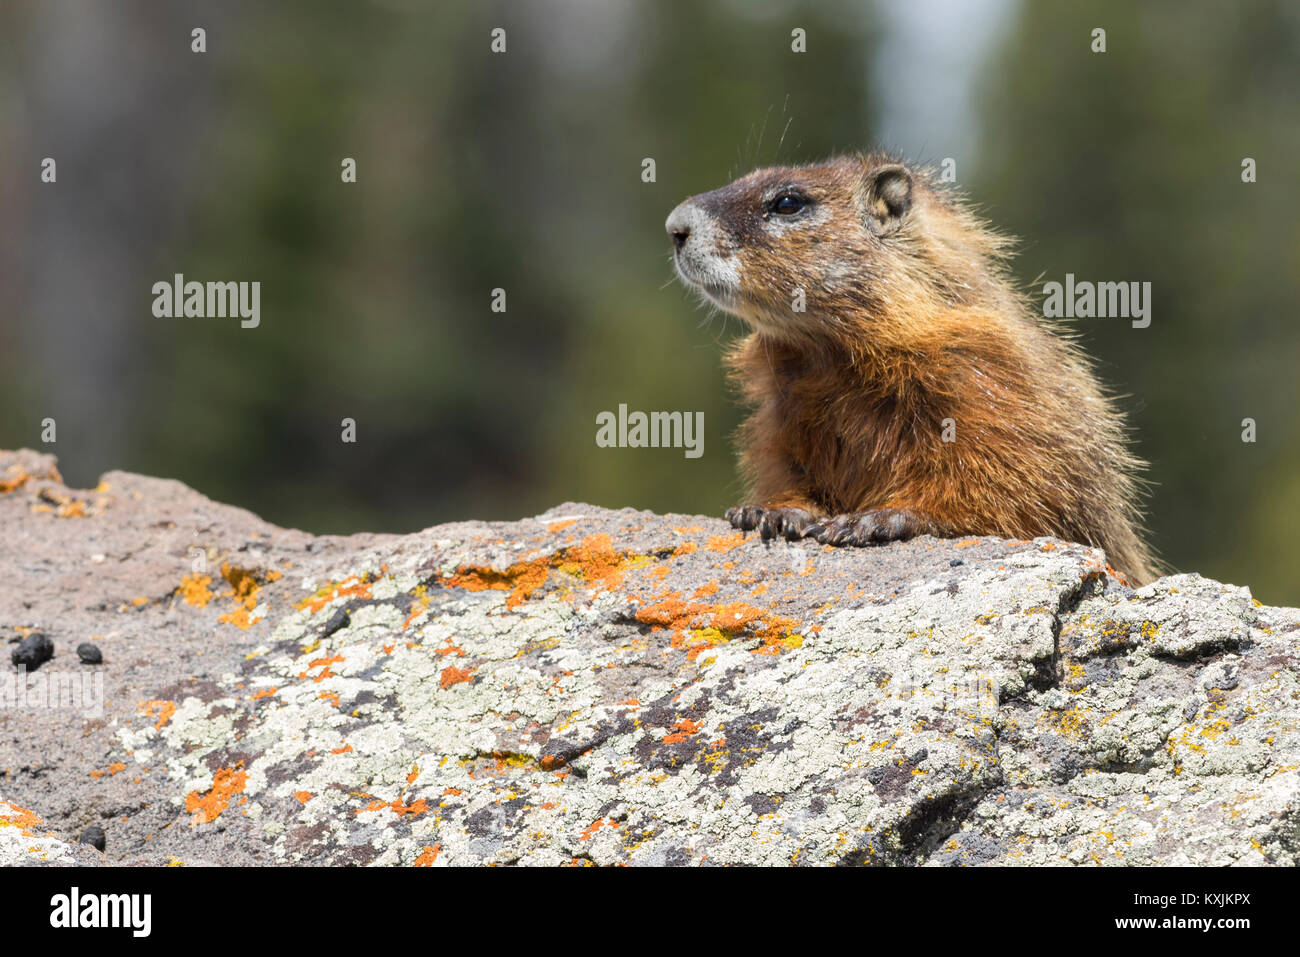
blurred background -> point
(523, 171)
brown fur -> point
(911, 320)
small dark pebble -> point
(89, 654)
(33, 651)
(340, 621)
(955, 562)
(94, 836)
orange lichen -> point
(264, 693)
(520, 579)
(451, 675)
(353, 587)
(18, 479)
(343, 750)
(685, 728)
(429, 856)
(207, 807)
(194, 589)
(450, 649)
(596, 825)
(724, 543)
(331, 696)
(325, 665)
(731, 619)
(556, 527)
(66, 505)
(302, 796)
(397, 807)
(593, 560)
(165, 710)
(11, 815)
(244, 588)
(418, 607)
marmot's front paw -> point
(870, 527)
(788, 523)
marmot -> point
(900, 385)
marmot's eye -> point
(787, 204)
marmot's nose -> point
(679, 226)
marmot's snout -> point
(679, 228)
(696, 254)
(681, 221)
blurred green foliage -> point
(523, 172)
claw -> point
(872, 527)
(785, 522)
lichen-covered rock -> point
(606, 687)
(25, 840)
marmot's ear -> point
(886, 197)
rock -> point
(94, 836)
(33, 651)
(624, 687)
(338, 621)
(25, 839)
(89, 654)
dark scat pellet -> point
(955, 562)
(94, 836)
(89, 654)
(340, 620)
(33, 651)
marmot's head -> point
(797, 250)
